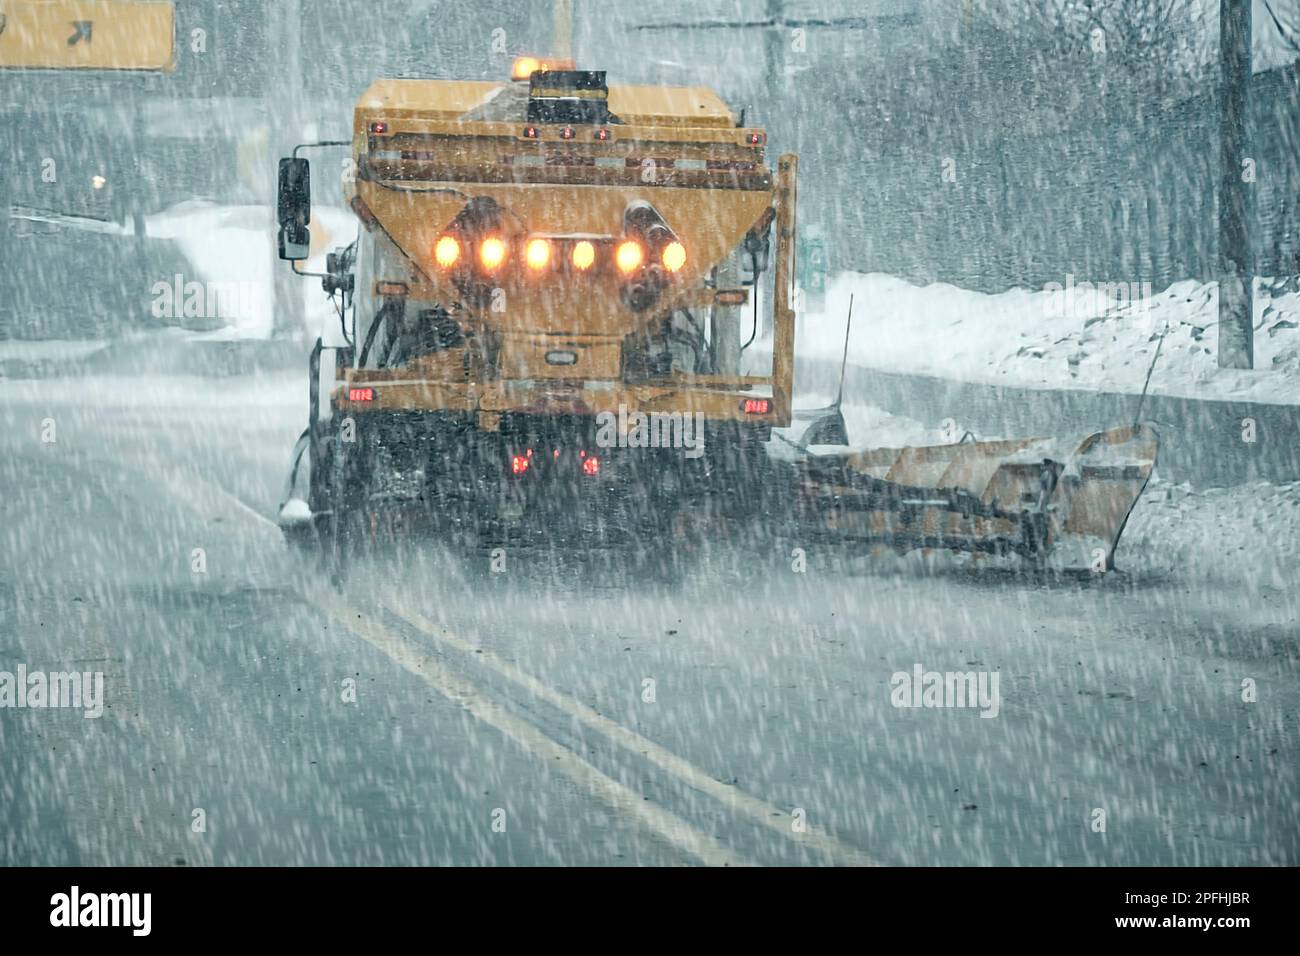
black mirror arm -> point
(293, 264)
(323, 143)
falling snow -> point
(719, 684)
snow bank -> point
(182, 396)
(868, 425)
(48, 350)
(1249, 534)
(1071, 338)
(233, 249)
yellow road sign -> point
(87, 34)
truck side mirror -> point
(293, 209)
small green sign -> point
(812, 263)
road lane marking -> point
(688, 773)
(730, 796)
(216, 491)
(466, 695)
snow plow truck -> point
(543, 327)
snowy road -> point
(559, 712)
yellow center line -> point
(758, 810)
(461, 692)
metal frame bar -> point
(782, 307)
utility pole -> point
(283, 100)
(775, 39)
(1236, 194)
(562, 29)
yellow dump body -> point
(425, 150)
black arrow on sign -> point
(83, 28)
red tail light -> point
(390, 288)
(757, 406)
(591, 465)
(518, 464)
(361, 395)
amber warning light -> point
(525, 66)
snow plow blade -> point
(1058, 506)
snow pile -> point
(43, 358)
(174, 396)
(1249, 534)
(233, 249)
(1078, 336)
(869, 426)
